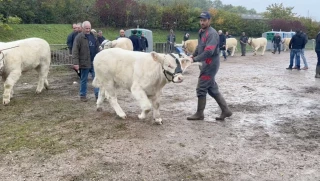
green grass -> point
(57, 33)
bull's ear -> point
(155, 56)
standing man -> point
(228, 36)
(135, 41)
(71, 37)
(100, 37)
(222, 44)
(171, 39)
(144, 42)
(85, 48)
(121, 34)
(296, 44)
(207, 52)
(302, 51)
(276, 43)
(317, 49)
(243, 43)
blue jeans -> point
(304, 58)
(295, 53)
(224, 54)
(84, 73)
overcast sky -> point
(301, 7)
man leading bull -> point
(207, 52)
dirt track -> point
(274, 133)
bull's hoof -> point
(99, 109)
(141, 116)
(123, 116)
(38, 91)
(6, 102)
(158, 121)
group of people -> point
(297, 45)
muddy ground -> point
(274, 133)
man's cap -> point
(205, 15)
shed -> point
(147, 34)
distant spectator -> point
(222, 44)
(317, 49)
(302, 52)
(100, 37)
(185, 38)
(144, 43)
(121, 34)
(135, 41)
(228, 36)
(243, 43)
(71, 36)
(276, 43)
(171, 39)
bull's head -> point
(250, 41)
(170, 65)
(106, 44)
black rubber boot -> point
(224, 107)
(317, 72)
(199, 114)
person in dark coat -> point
(317, 49)
(144, 43)
(135, 41)
(222, 44)
(276, 43)
(100, 37)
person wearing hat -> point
(207, 52)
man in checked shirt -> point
(207, 52)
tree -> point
(278, 11)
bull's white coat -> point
(31, 53)
(139, 72)
(231, 43)
(286, 42)
(190, 46)
(257, 43)
(124, 43)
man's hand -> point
(191, 58)
(76, 67)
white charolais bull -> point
(30, 53)
(286, 42)
(231, 43)
(124, 43)
(257, 43)
(144, 74)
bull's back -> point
(231, 42)
(29, 54)
(115, 64)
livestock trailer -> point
(147, 34)
(270, 34)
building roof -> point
(252, 16)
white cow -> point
(144, 74)
(190, 46)
(257, 43)
(124, 43)
(231, 43)
(31, 53)
(286, 42)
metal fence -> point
(60, 53)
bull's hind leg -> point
(11, 80)
(156, 105)
(112, 98)
(101, 97)
(142, 98)
(43, 71)
(263, 49)
(233, 50)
